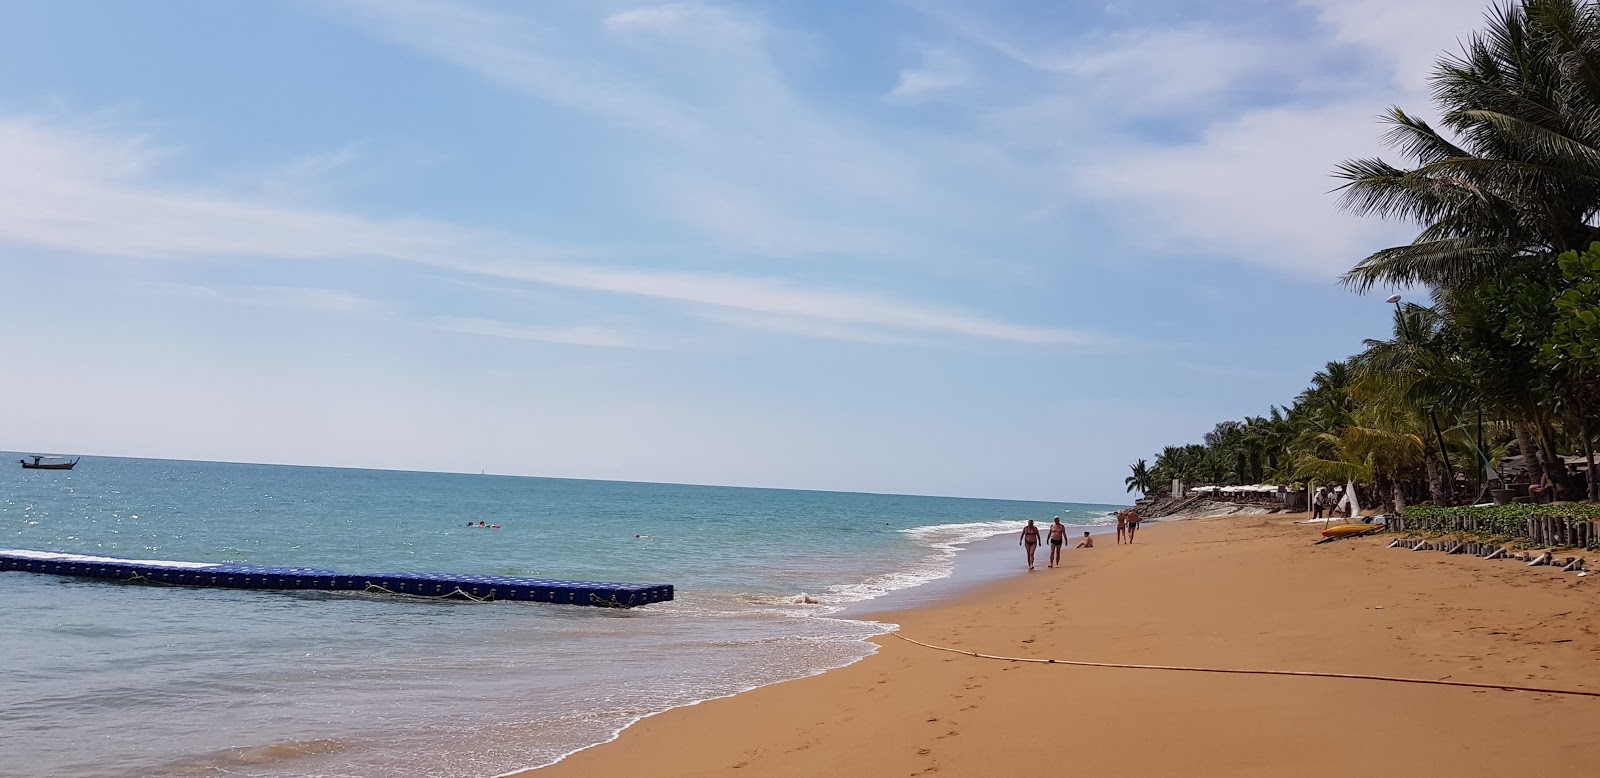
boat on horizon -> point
(41, 462)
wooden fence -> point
(1557, 531)
(1543, 530)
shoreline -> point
(1254, 593)
(975, 565)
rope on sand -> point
(1301, 673)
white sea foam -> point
(51, 555)
(944, 541)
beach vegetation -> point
(1490, 389)
(1141, 480)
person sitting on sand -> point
(1133, 522)
(1058, 537)
(1030, 538)
(1122, 525)
(1087, 542)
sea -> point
(109, 679)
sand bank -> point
(1248, 592)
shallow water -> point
(110, 679)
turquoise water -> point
(107, 679)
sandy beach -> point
(1241, 592)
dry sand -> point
(1247, 592)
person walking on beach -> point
(1316, 505)
(1030, 539)
(1058, 537)
(1122, 525)
(1133, 522)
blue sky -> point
(973, 248)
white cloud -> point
(1255, 189)
(1406, 37)
(299, 177)
(51, 198)
(1163, 71)
(1256, 121)
(598, 337)
(695, 21)
(708, 114)
(315, 300)
(941, 70)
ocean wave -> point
(943, 540)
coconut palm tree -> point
(1141, 480)
(1410, 380)
(1520, 180)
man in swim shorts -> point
(1030, 539)
(1087, 542)
(1058, 536)
(1133, 522)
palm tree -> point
(1364, 453)
(1141, 480)
(1521, 181)
(1410, 380)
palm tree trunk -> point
(1588, 453)
(1554, 468)
(1381, 485)
(1444, 451)
(1530, 452)
(1434, 492)
(1397, 486)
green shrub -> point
(1497, 519)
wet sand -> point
(1242, 592)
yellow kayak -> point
(1350, 530)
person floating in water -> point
(1030, 539)
(1058, 537)
(1087, 542)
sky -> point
(981, 248)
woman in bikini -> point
(1030, 539)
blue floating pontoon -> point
(470, 587)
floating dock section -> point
(228, 576)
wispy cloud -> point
(307, 173)
(1204, 138)
(940, 71)
(1404, 38)
(310, 299)
(710, 117)
(52, 198)
(591, 336)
